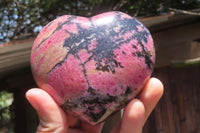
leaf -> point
(6, 99)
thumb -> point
(52, 118)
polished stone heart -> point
(93, 67)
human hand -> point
(54, 119)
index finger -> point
(151, 94)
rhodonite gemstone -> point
(92, 67)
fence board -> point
(179, 108)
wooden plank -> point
(15, 64)
(173, 93)
(177, 35)
(165, 104)
(16, 48)
(161, 116)
(153, 21)
(189, 107)
(185, 82)
(169, 111)
(150, 125)
(158, 119)
(181, 108)
(178, 110)
(158, 23)
(196, 97)
(14, 57)
(166, 55)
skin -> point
(53, 119)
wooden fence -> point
(179, 109)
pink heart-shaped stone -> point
(93, 67)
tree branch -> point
(185, 12)
(119, 5)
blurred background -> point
(21, 19)
(175, 27)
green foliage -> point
(186, 63)
(21, 19)
(6, 100)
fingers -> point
(138, 110)
(52, 118)
(151, 94)
(133, 117)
